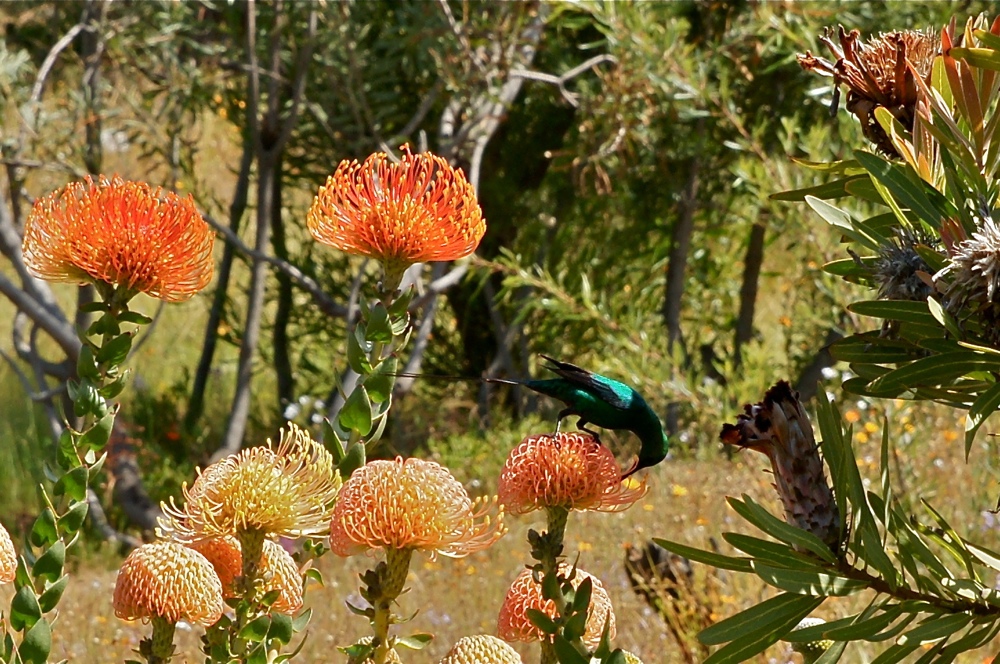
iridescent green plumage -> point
(604, 402)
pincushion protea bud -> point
(631, 658)
(8, 557)
(878, 73)
(513, 623)
(779, 428)
(122, 233)
(811, 650)
(481, 649)
(169, 581)
(568, 470)
(278, 570)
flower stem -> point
(550, 551)
(391, 585)
(162, 642)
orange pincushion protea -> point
(514, 624)
(122, 233)
(481, 649)
(277, 569)
(169, 581)
(410, 504)
(570, 470)
(420, 209)
(284, 490)
(8, 557)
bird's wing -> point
(603, 387)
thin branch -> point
(326, 304)
(418, 116)
(50, 60)
(299, 86)
(561, 80)
(56, 327)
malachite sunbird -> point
(604, 402)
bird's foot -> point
(634, 467)
(596, 436)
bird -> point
(603, 402)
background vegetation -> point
(624, 155)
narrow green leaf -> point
(934, 629)
(780, 530)
(943, 317)
(806, 582)
(905, 186)
(764, 629)
(134, 317)
(827, 190)
(566, 653)
(984, 58)
(893, 654)
(706, 557)
(832, 654)
(842, 221)
(773, 611)
(863, 630)
(542, 621)
(985, 405)
(770, 552)
(358, 349)
(937, 369)
(417, 641)
(901, 310)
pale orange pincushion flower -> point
(481, 649)
(122, 233)
(410, 504)
(420, 209)
(170, 581)
(570, 470)
(513, 623)
(8, 557)
(284, 490)
(277, 569)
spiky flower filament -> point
(274, 490)
(411, 504)
(122, 233)
(570, 470)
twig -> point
(561, 80)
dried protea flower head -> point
(277, 570)
(779, 428)
(411, 504)
(169, 581)
(971, 282)
(878, 73)
(414, 209)
(568, 470)
(122, 234)
(8, 557)
(283, 490)
(525, 593)
(481, 649)
(900, 272)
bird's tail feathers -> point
(475, 379)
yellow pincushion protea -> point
(419, 209)
(287, 490)
(121, 233)
(8, 557)
(569, 470)
(410, 504)
(481, 649)
(168, 581)
(513, 623)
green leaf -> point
(353, 459)
(356, 415)
(25, 610)
(86, 367)
(865, 629)
(566, 653)
(780, 530)
(905, 187)
(359, 652)
(832, 654)
(115, 351)
(37, 643)
(937, 369)
(256, 629)
(984, 58)
(96, 437)
(581, 601)
(868, 348)
(807, 582)
(842, 221)
(134, 317)
(770, 552)
(943, 317)
(50, 598)
(542, 621)
(50, 564)
(985, 405)
(379, 328)
(73, 483)
(901, 310)
(893, 654)
(301, 621)
(380, 383)
(416, 641)
(74, 517)
(832, 189)
(281, 628)
(43, 531)
(934, 629)
(114, 388)
(706, 557)
(358, 349)
(751, 631)
(331, 441)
